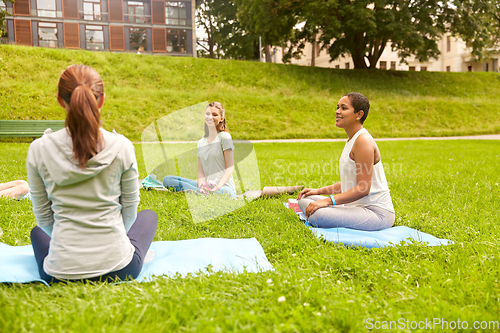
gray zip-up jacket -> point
(86, 212)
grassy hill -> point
(263, 101)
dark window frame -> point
(170, 20)
(41, 41)
(133, 45)
(137, 18)
(53, 12)
(95, 17)
(177, 32)
(94, 43)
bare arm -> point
(327, 190)
(364, 156)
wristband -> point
(333, 200)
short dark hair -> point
(359, 102)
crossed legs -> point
(369, 218)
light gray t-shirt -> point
(212, 157)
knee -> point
(149, 215)
(167, 180)
(303, 203)
(36, 233)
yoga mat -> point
(373, 239)
(378, 239)
(170, 258)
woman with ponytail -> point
(215, 158)
(85, 192)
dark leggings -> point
(141, 235)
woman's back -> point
(91, 207)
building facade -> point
(145, 26)
(454, 57)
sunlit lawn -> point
(447, 188)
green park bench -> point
(28, 128)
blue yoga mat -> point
(378, 239)
(374, 239)
(171, 258)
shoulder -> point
(122, 146)
(46, 140)
(225, 135)
(201, 142)
(364, 143)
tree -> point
(364, 28)
(272, 20)
(3, 14)
(477, 22)
(225, 36)
(206, 15)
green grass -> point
(263, 101)
(447, 188)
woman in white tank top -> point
(361, 200)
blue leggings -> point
(141, 235)
(179, 184)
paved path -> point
(473, 137)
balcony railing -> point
(91, 16)
(141, 19)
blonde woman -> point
(215, 153)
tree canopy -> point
(362, 29)
(3, 14)
(478, 23)
(225, 37)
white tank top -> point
(379, 192)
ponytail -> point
(83, 122)
(81, 87)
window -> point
(176, 13)
(383, 65)
(46, 8)
(411, 68)
(135, 12)
(486, 67)
(423, 68)
(469, 68)
(393, 65)
(337, 66)
(448, 44)
(92, 10)
(138, 39)
(94, 37)
(47, 34)
(346, 65)
(448, 68)
(176, 40)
